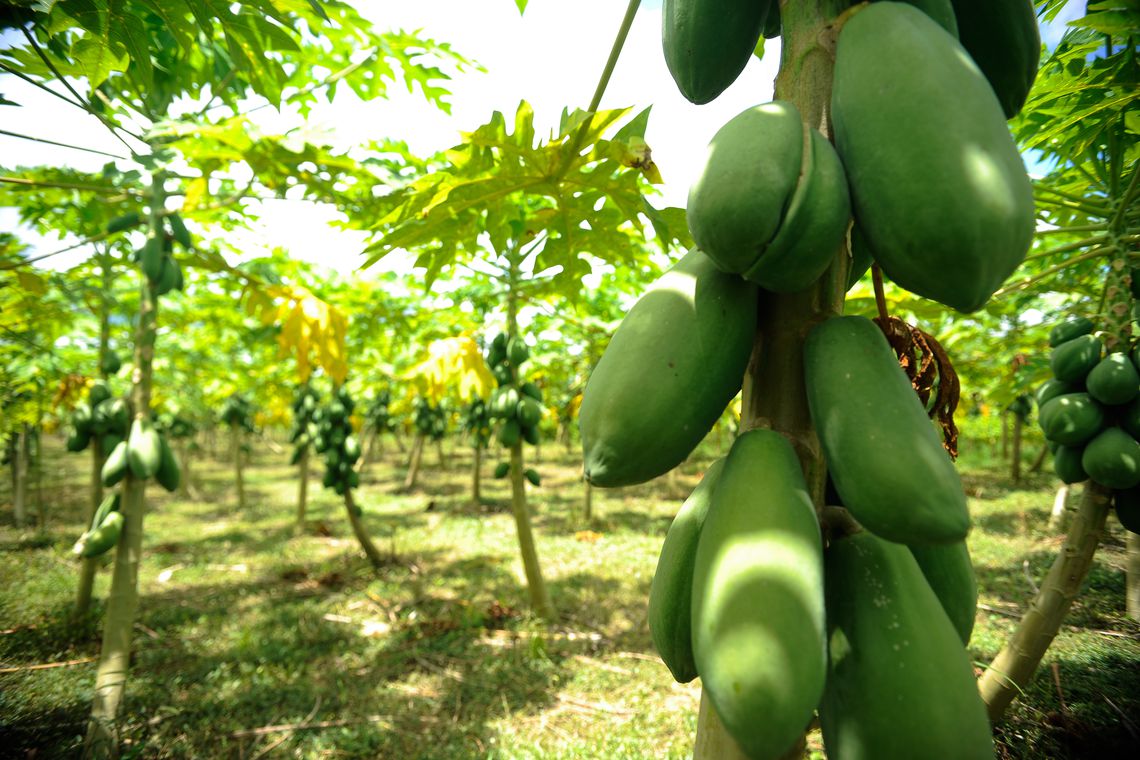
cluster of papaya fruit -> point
(304, 431)
(746, 597)
(430, 420)
(336, 441)
(101, 417)
(110, 363)
(144, 454)
(1089, 412)
(237, 412)
(156, 257)
(174, 425)
(477, 423)
(378, 416)
(106, 527)
(516, 403)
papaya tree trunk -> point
(773, 393)
(37, 462)
(1010, 672)
(1039, 460)
(442, 456)
(414, 462)
(369, 451)
(1015, 466)
(20, 482)
(1132, 590)
(399, 439)
(1004, 435)
(102, 740)
(303, 495)
(239, 465)
(476, 491)
(587, 502)
(361, 534)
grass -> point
(244, 626)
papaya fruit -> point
(530, 434)
(151, 257)
(1130, 418)
(124, 222)
(115, 467)
(144, 449)
(687, 340)
(1112, 459)
(861, 257)
(109, 442)
(502, 469)
(1127, 505)
(169, 473)
(178, 231)
(517, 351)
(528, 411)
(110, 363)
(81, 417)
(510, 432)
(1072, 360)
(532, 475)
(497, 351)
(530, 389)
(351, 449)
(353, 479)
(169, 276)
(1071, 419)
(771, 203)
(1052, 388)
(899, 681)
(77, 441)
(950, 575)
(98, 393)
(707, 43)
(1002, 38)
(671, 592)
(503, 374)
(951, 158)
(107, 506)
(1067, 464)
(882, 451)
(1114, 380)
(772, 22)
(757, 600)
(102, 539)
(1073, 327)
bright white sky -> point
(552, 56)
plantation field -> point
(254, 642)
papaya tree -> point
(1079, 118)
(783, 595)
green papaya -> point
(707, 43)
(169, 473)
(1052, 388)
(351, 449)
(530, 434)
(530, 389)
(1113, 459)
(1127, 506)
(1002, 38)
(1067, 464)
(81, 418)
(110, 363)
(899, 681)
(168, 277)
(1114, 380)
(503, 374)
(1072, 361)
(502, 469)
(688, 339)
(1130, 418)
(950, 575)
(295, 457)
(103, 538)
(517, 351)
(772, 23)
(98, 393)
(757, 600)
(179, 232)
(1073, 327)
(497, 352)
(529, 411)
(671, 592)
(110, 441)
(107, 506)
(771, 202)
(861, 257)
(151, 257)
(115, 467)
(144, 449)
(329, 478)
(1071, 419)
(951, 158)
(353, 479)
(882, 451)
(510, 432)
(532, 475)
(124, 222)
(77, 441)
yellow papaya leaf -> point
(31, 282)
(196, 190)
(452, 364)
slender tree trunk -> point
(587, 502)
(239, 466)
(303, 495)
(476, 491)
(102, 740)
(414, 462)
(37, 462)
(1039, 460)
(369, 451)
(1010, 672)
(1133, 576)
(20, 482)
(1015, 468)
(773, 393)
(399, 439)
(442, 456)
(361, 534)
(89, 565)
(1004, 435)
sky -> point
(551, 56)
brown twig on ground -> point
(46, 665)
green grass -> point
(243, 625)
